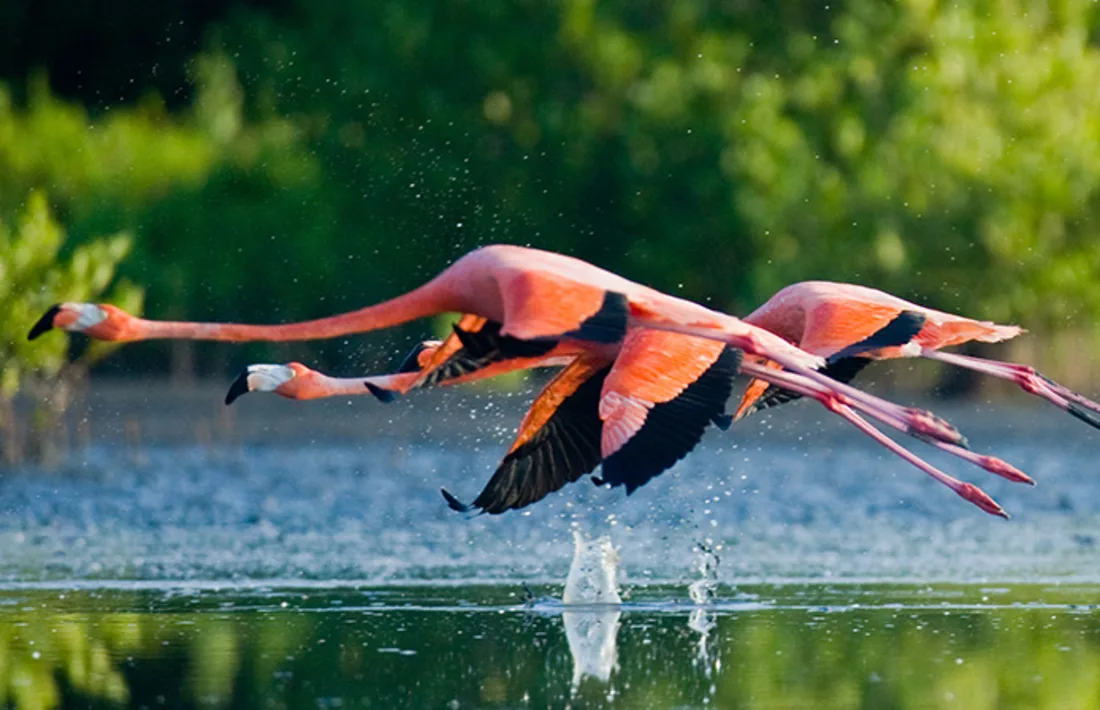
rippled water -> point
(757, 646)
(786, 564)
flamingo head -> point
(292, 380)
(99, 321)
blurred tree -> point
(943, 152)
(33, 278)
(334, 154)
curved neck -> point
(778, 315)
(426, 300)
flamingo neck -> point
(427, 300)
(317, 386)
(787, 320)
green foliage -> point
(944, 152)
(129, 156)
(334, 154)
(33, 277)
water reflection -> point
(702, 621)
(824, 647)
(592, 635)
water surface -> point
(280, 569)
(761, 646)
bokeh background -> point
(271, 161)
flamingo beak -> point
(74, 317)
(262, 378)
(239, 387)
(44, 323)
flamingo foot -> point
(1028, 379)
(970, 492)
(1004, 469)
(927, 426)
(966, 491)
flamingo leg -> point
(1029, 380)
(915, 422)
(838, 405)
(966, 491)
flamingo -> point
(548, 299)
(827, 318)
(558, 440)
(567, 432)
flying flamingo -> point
(566, 433)
(540, 296)
(826, 318)
(549, 450)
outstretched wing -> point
(557, 443)
(479, 349)
(662, 392)
(474, 350)
(842, 366)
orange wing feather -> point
(564, 384)
(755, 389)
(653, 367)
(662, 393)
(833, 325)
(450, 346)
(546, 305)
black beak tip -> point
(44, 323)
(239, 387)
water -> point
(786, 564)
(785, 646)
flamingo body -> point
(841, 322)
(823, 318)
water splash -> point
(702, 592)
(592, 612)
(594, 574)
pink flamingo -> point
(830, 319)
(565, 413)
(540, 296)
(570, 428)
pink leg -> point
(967, 491)
(1029, 380)
(760, 342)
(915, 422)
(831, 401)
